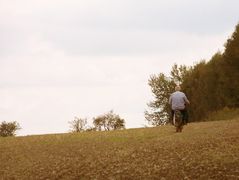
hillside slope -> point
(204, 150)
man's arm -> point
(186, 99)
(170, 100)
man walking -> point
(178, 101)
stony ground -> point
(207, 150)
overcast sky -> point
(60, 59)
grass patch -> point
(224, 114)
(205, 150)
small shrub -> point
(9, 128)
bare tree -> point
(78, 124)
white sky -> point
(60, 59)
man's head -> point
(177, 88)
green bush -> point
(109, 121)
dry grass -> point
(223, 114)
(208, 150)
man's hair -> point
(177, 88)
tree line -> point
(105, 122)
(210, 86)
